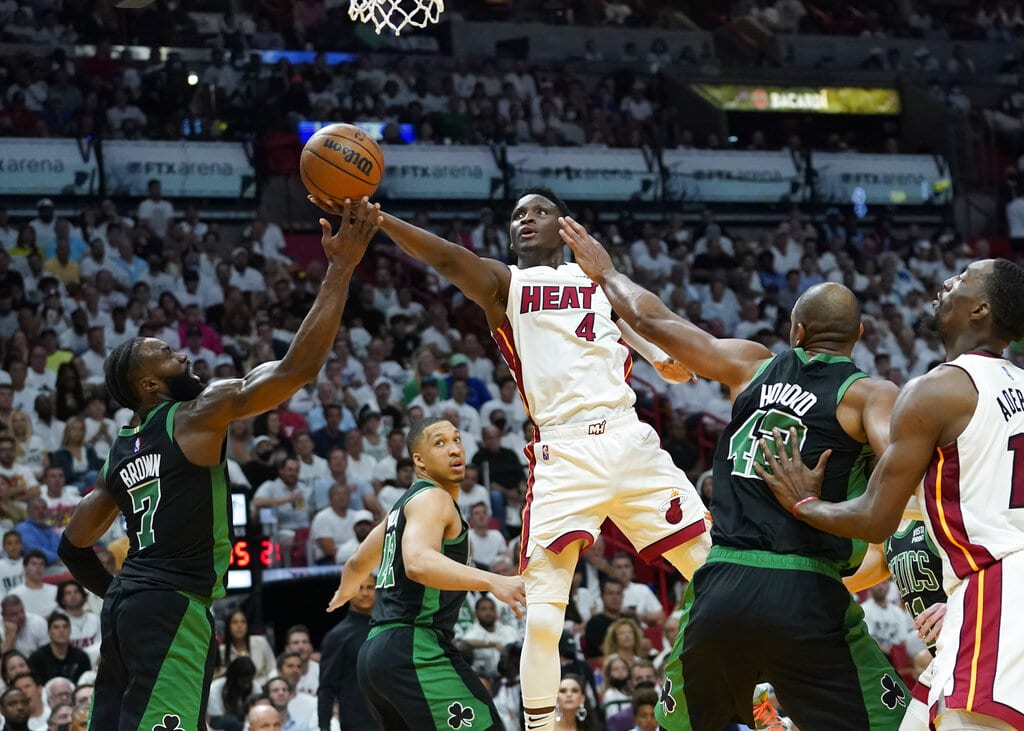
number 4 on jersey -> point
(585, 329)
(744, 447)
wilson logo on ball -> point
(362, 164)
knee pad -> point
(540, 667)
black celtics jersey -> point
(916, 568)
(176, 512)
(400, 600)
(792, 390)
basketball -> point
(341, 161)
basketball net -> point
(396, 14)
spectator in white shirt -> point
(488, 637)
(469, 417)
(636, 105)
(638, 601)
(12, 567)
(22, 480)
(31, 631)
(439, 333)
(220, 74)
(37, 597)
(286, 500)
(60, 497)
(480, 366)
(313, 469)
(23, 395)
(154, 212)
(244, 276)
(96, 355)
(85, 625)
(100, 429)
(298, 641)
(486, 543)
(269, 237)
(471, 492)
(194, 346)
(334, 526)
(44, 223)
(364, 523)
(121, 110)
(387, 465)
(361, 466)
(428, 398)
(393, 489)
(39, 376)
(888, 623)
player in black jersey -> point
(409, 669)
(167, 475)
(769, 604)
(912, 560)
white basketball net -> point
(396, 14)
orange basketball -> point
(341, 161)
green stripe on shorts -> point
(442, 687)
(179, 686)
(885, 696)
(672, 711)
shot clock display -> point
(250, 552)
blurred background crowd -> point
(229, 284)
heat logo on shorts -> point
(673, 508)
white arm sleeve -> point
(648, 351)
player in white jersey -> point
(592, 457)
(960, 429)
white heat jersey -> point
(563, 348)
(973, 492)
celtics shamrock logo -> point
(667, 701)
(170, 723)
(892, 693)
(461, 715)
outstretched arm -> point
(359, 565)
(485, 281)
(269, 384)
(427, 516)
(667, 367)
(728, 361)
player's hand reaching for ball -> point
(360, 221)
(590, 255)
(326, 206)
(511, 590)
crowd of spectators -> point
(994, 20)
(457, 101)
(324, 468)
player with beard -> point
(166, 473)
(957, 443)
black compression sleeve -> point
(84, 565)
